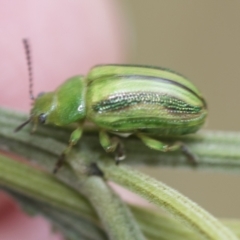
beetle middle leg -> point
(163, 147)
(74, 138)
(112, 144)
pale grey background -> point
(199, 39)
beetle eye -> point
(42, 118)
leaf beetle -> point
(122, 100)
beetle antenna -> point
(29, 64)
(22, 125)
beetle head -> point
(43, 105)
(42, 111)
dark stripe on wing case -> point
(124, 100)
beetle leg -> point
(163, 147)
(94, 170)
(74, 138)
(111, 144)
(189, 155)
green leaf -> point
(46, 145)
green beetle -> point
(124, 100)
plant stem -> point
(213, 150)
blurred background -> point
(199, 39)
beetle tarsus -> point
(59, 163)
(189, 155)
(119, 152)
(94, 170)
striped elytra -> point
(150, 99)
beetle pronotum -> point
(123, 100)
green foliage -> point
(83, 206)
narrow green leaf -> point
(170, 200)
(154, 224)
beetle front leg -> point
(111, 144)
(163, 147)
(74, 138)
